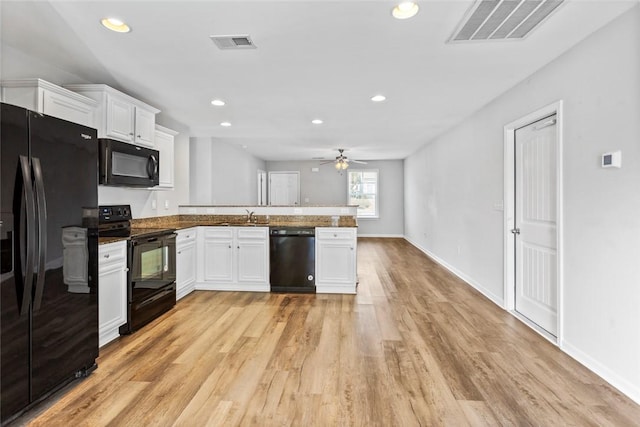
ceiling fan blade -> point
(327, 161)
(359, 161)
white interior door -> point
(284, 188)
(536, 295)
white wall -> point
(451, 185)
(222, 173)
(327, 187)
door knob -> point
(516, 231)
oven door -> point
(153, 266)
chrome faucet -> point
(249, 215)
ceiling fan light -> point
(405, 10)
(344, 165)
(337, 165)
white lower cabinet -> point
(233, 259)
(112, 290)
(185, 262)
(336, 260)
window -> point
(363, 191)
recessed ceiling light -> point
(378, 98)
(225, 124)
(404, 10)
(317, 121)
(115, 24)
(218, 102)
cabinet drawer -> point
(218, 233)
(253, 233)
(186, 235)
(335, 233)
(112, 253)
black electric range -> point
(151, 261)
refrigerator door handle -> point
(42, 232)
(30, 208)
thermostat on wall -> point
(612, 160)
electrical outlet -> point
(154, 205)
(166, 204)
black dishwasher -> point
(293, 259)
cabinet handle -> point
(351, 248)
(107, 256)
(229, 246)
(335, 235)
(130, 133)
(179, 252)
(238, 247)
(139, 136)
(187, 236)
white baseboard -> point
(621, 383)
(335, 289)
(392, 236)
(497, 300)
(233, 287)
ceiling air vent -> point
(233, 42)
(503, 19)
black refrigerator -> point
(49, 262)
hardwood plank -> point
(415, 347)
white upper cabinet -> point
(120, 119)
(164, 140)
(52, 100)
(145, 126)
(120, 116)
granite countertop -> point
(179, 222)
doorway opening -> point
(533, 220)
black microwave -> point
(128, 165)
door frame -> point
(509, 215)
(262, 185)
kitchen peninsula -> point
(227, 248)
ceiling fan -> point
(342, 162)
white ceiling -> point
(314, 59)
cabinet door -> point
(61, 106)
(112, 290)
(185, 269)
(112, 302)
(218, 260)
(120, 119)
(145, 126)
(164, 144)
(253, 261)
(335, 262)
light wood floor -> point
(416, 346)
